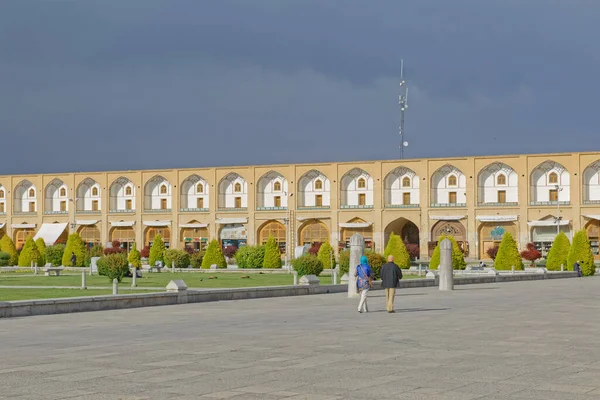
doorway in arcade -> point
(195, 238)
(593, 232)
(356, 225)
(544, 232)
(491, 233)
(233, 235)
(164, 232)
(449, 228)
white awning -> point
(224, 221)
(355, 224)
(597, 217)
(548, 222)
(157, 223)
(497, 218)
(23, 226)
(447, 217)
(50, 232)
(307, 218)
(122, 223)
(2, 225)
(194, 226)
(86, 222)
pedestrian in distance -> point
(73, 259)
(390, 280)
(577, 268)
(364, 282)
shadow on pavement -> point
(405, 310)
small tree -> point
(272, 254)
(157, 251)
(376, 261)
(180, 258)
(29, 253)
(344, 262)
(8, 246)
(396, 248)
(531, 254)
(508, 254)
(135, 258)
(458, 260)
(214, 255)
(74, 245)
(54, 254)
(307, 264)
(41, 246)
(581, 252)
(326, 255)
(229, 251)
(113, 266)
(558, 253)
(413, 250)
(492, 252)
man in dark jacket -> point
(577, 268)
(73, 260)
(390, 280)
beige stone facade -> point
(474, 198)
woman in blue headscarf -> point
(364, 276)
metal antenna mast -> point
(403, 102)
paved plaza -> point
(523, 340)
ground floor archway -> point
(408, 232)
(450, 228)
(233, 235)
(360, 226)
(163, 231)
(490, 235)
(313, 231)
(593, 233)
(90, 234)
(194, 236)
(543, 236)
(123, 234)
(20, 236)
(275, 229)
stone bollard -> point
(357, 247)
(115, 286)
(562, 268)
(446, 273)
(310, 280)
(134, 281)
(83, 285)
(295, 275)
(512, 269)
(344, 279)
(178, 286)
(335, 277)
(35, 270)
(173, 267)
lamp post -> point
(558, 217)
(288, 227)
(74, 223)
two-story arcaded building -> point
(475, 199)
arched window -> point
(362, 183)
(277, 186)
(163, 189)
(31, 193)
(452, 180)
(128, 191)
(1, 194)
(553, 177)
(501, 180)
(237, 187)
(318, 184)
(95, 192)
(63, 192)
(199, 188)
(406, 181)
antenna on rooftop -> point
(403, 103)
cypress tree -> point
(29, 253)
(214, 255)
(74, 245)
(458, 260)
(559, 253)
(326, 256)
(134, 257)
(272, 254)
(396, 248)
(508, 254)
(8, 246)
(581, 252)
(157, 251)
(41, 246)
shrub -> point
(94, 251)
(396, 248)
(344, 262)
(272, 257)
(413, 250)
(214, 255)
(113, 266)
(41, 246)
(189, 250)
(326, 255)
(558, 253)
(29, 253)
(251, 256)
(157, 251)
(7, 246)
(229, 251)
(196, 259)
(54, 254)
(135, 258)
(508, 254)
(314, 249)
(180, 257)
(74, 245)
(492, 252)
(531, 254)
(581, 252)
(458, 260)
(115, 247)
(307, 265)
(4, 259)
(376, 261)
(145, 252)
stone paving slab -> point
(522, 340)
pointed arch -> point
(497, 185)
(194, 194)
(591, 183)
(157, 194)
(233, 192)
(401, 186)
(448, 187)
(88, 196)
(122, 195)
(313, 190)
(56, 198)
(550, 182)
(272, 191)
(23, 201)
(356, 189)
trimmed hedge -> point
(558, 254)
(250, 257)
(41, 246)
(4, 259)
(508, 254)
(74, 245)
(135, 258)
(113, 266)
(181, 258)
(7, 246)
(196, 259)
(581, 251)
(157, 251)
(458, 260)
(54, 254)
(326, 255)
(272, 257)
(29, 253)
(396, 248)
(214, 255)
(307, 265)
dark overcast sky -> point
(126, 84)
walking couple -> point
(390, 280)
